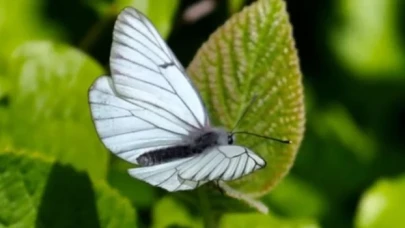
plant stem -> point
(207, 215)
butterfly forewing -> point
(159, 81)
(149, 103)
(124, 133)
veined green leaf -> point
(48, 106)
(254, 54)
(382, 205)
(36, 191)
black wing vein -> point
(156, 113)
(139, 42)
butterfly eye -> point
(230, 139)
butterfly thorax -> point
(198, 144)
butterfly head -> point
(231, 138)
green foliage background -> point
(349, 170)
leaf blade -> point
(31, 183)
(234, 64)
(48, 108)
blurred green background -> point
(350, 169)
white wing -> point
(149, 103)
(226, 163)
(146, 72)
(219, 163)
(166, 176)
(126, 129)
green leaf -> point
(35, 191)
(261, 221)
(235, 5)
(48, 108)
(14, 15)
(337, 123)
(333, 137)
(179, 215)
(382, 205)
(367, 39)
(161, 13)
(22, 20)
(254, 53)
(295, 198)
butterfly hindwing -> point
(218, 163)
(227, 162)
(166, 176)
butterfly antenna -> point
(262, 136)
(253, 134)
(244, 112)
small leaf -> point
(259, 220)
(382, 205)
(35, 191)
(367, 38)
(162, 13)
(48, 106)
(335, 122)
(235, 5)
(179, 215)
(295, 198)
(254, 53)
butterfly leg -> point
(218, 187)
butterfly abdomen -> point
(177, 152)
(164, 155)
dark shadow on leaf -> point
(68, 200)
(4, 101)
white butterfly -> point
(149, 113)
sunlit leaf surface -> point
(382, 205)
(179, 215)
(21, 20)
(48, 108)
